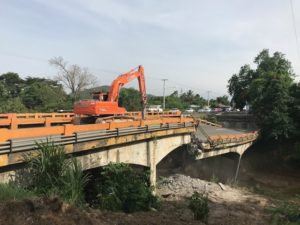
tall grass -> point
(47, 168)
(199, 206)
(74, 181)
(14, 192)
(54, 174)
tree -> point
(12, 85)
(73, 77)
(239, 84)
(44, 95)
(130, 99)
(223, 100)
(13, 105)
(267, 89)
(295, 107)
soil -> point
(227, 207)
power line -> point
(295, 27)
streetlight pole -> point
(208, 98)
(164, 92)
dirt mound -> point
(43, 211)
(227, 207)
(230, 206)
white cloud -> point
(196, 43)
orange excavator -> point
(105, 104)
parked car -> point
(189, 110)
(204, 110)
(175, 110)
(154, 108)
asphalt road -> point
(212, 131)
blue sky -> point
(196, 44)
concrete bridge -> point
(139, 142)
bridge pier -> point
(151, 150)
(237, 169)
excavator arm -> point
(125, 78)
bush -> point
(54, 174)
(199, 206)
(122, 188)
(47, 168)
(13, 192)
(285, 214)
(74, 181)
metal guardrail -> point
(25, 144)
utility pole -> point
(164, 92)
(208, 98)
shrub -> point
(74, 181)
(285, 214)
(122, 188)
(13, 192)
(47, 168)
(54, 174)
(199, 206)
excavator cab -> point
(100, 96)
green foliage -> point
(180, 101)
(12, 83)
(239, 84)
(285, 214)
(268, 90)
(13, 105)
(54, 174)
(223, 100)
(122, 188)
(273, 118)
(199, 206)
(73, 182)
(13, 192)
(47, 168)
(31, 94)
(130, 98)
(295, 107)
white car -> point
(174, 110)
(204, 110)
(189, 110)
(154, 108)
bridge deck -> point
(205, 131)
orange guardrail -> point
(250, 135)
(13, 120)
(69, 129)
(209, 123)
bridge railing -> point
(13, 120)
(25, 139)
(236, 138)
(16, 120)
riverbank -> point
(228, 206)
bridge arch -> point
(146, 153)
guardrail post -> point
(13, 122)
(112, 125)
(68, 129)
(142, 123)
(47, 122)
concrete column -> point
(152, 147)
(237, 168)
